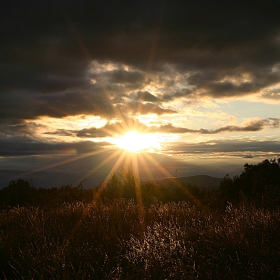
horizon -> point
(85, 88)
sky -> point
(197, 82)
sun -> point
(136, 142)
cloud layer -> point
(212, 49)
(156, 66)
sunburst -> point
(137, 142)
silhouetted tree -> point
(260, 182)
(18, 193)
(228, 188)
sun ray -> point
(145, 166)
(115, 154)
(175, 181)
(158, 166)
(108, 177)
(95, 198)
(138, 192)
(62, 162)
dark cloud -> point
(48, 47)
(145, 96)
(177, 94)
(248, 156)
(42, 76)
(254, 125)
(60, 132)
(272, 94)
(169, 128)
(20, 146)
(93, 132)
(230, 83)
(140, 108)
(125, 77)
(237, 147)
(24, 105)
(17, 129)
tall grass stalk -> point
(110, 241)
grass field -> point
(119, 240)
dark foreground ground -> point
(119, 240)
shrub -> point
(18, 193)
(111, 241)
(259, 182)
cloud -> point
(273, 94)
(145, 96)
(227, 84)
(253, 125)
(248, 156)
(231, 147)
(125, 77)
(94, 132)
(274, 122)
(49, 54)
(146, 108)
(19, 146)
(24, 105)
(111, 129)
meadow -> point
(183, 234)
(109, 241)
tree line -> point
(258, 183)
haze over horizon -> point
(199, 82)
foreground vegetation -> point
(179, 232)
(109, 241)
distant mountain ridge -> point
(201, 181)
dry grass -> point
(109, 241)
